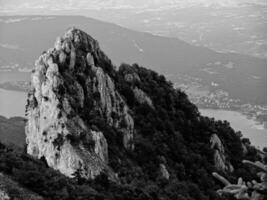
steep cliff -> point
(85, 117)
(69, 86)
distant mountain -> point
(22, 86)
(222, 25)
(244, 77)
(20, 5)
(12, 131)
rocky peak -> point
(71, 86)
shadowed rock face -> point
(70, 84)
(142, 97)
(220, 161)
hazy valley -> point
(229, 81)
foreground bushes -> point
(172, 132)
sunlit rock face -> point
(142, 97)
(220, 161)
(164, 172)
(4, 195)
(130, 76)
(71, 85)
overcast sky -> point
(17, 5)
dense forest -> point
(172, 158)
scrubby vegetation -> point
(172, 133)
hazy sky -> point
(9, 5)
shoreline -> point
(249, 116)
(250, 128)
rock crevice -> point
(68, 84)
(220, 160)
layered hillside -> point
(12, 131)
(243, 77)
(121, 133)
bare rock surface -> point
(164, 171)
(220, 161)
(142, 97)
(69, 85)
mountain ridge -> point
(80, 107)
(147, 50)
(117, 133)
(119, 4)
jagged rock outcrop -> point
(70, 86)
(4, 195)
(220, 160)
(129, 74)
(164, 172)
(112, 106)
(142, 97)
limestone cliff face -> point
(131, 77)
(69, 86)
(220, 161)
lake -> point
(12, 103)
(14, 76)
(250, 128)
